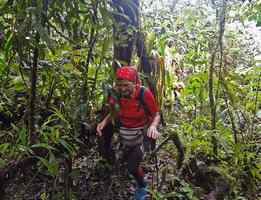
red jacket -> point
(132, 114)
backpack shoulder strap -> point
(141, 100)
(141, 95)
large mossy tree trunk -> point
(126, 24)
(127, 35)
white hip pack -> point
(131, 136)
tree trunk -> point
(125, 28)
(32, 135)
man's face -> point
(125, 88)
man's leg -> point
(134, 158)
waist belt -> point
(131, 136)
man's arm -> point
(152, 130)
(102, 124)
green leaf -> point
(4, 147)
(66, 145)
(8, 45)
(25, 149)
(51, 164)
(59, 114)
(43, 145)
(44, 161)
(22, 135)
(2, 163)
(18, 84)
(106, 45)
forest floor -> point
(92, 179)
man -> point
(134, 120)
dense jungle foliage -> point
(56, 71)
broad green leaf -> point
(67, 146)
(4, 147)
(43, 145)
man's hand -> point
(99, 128)
(153, 132)
(102, 124)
